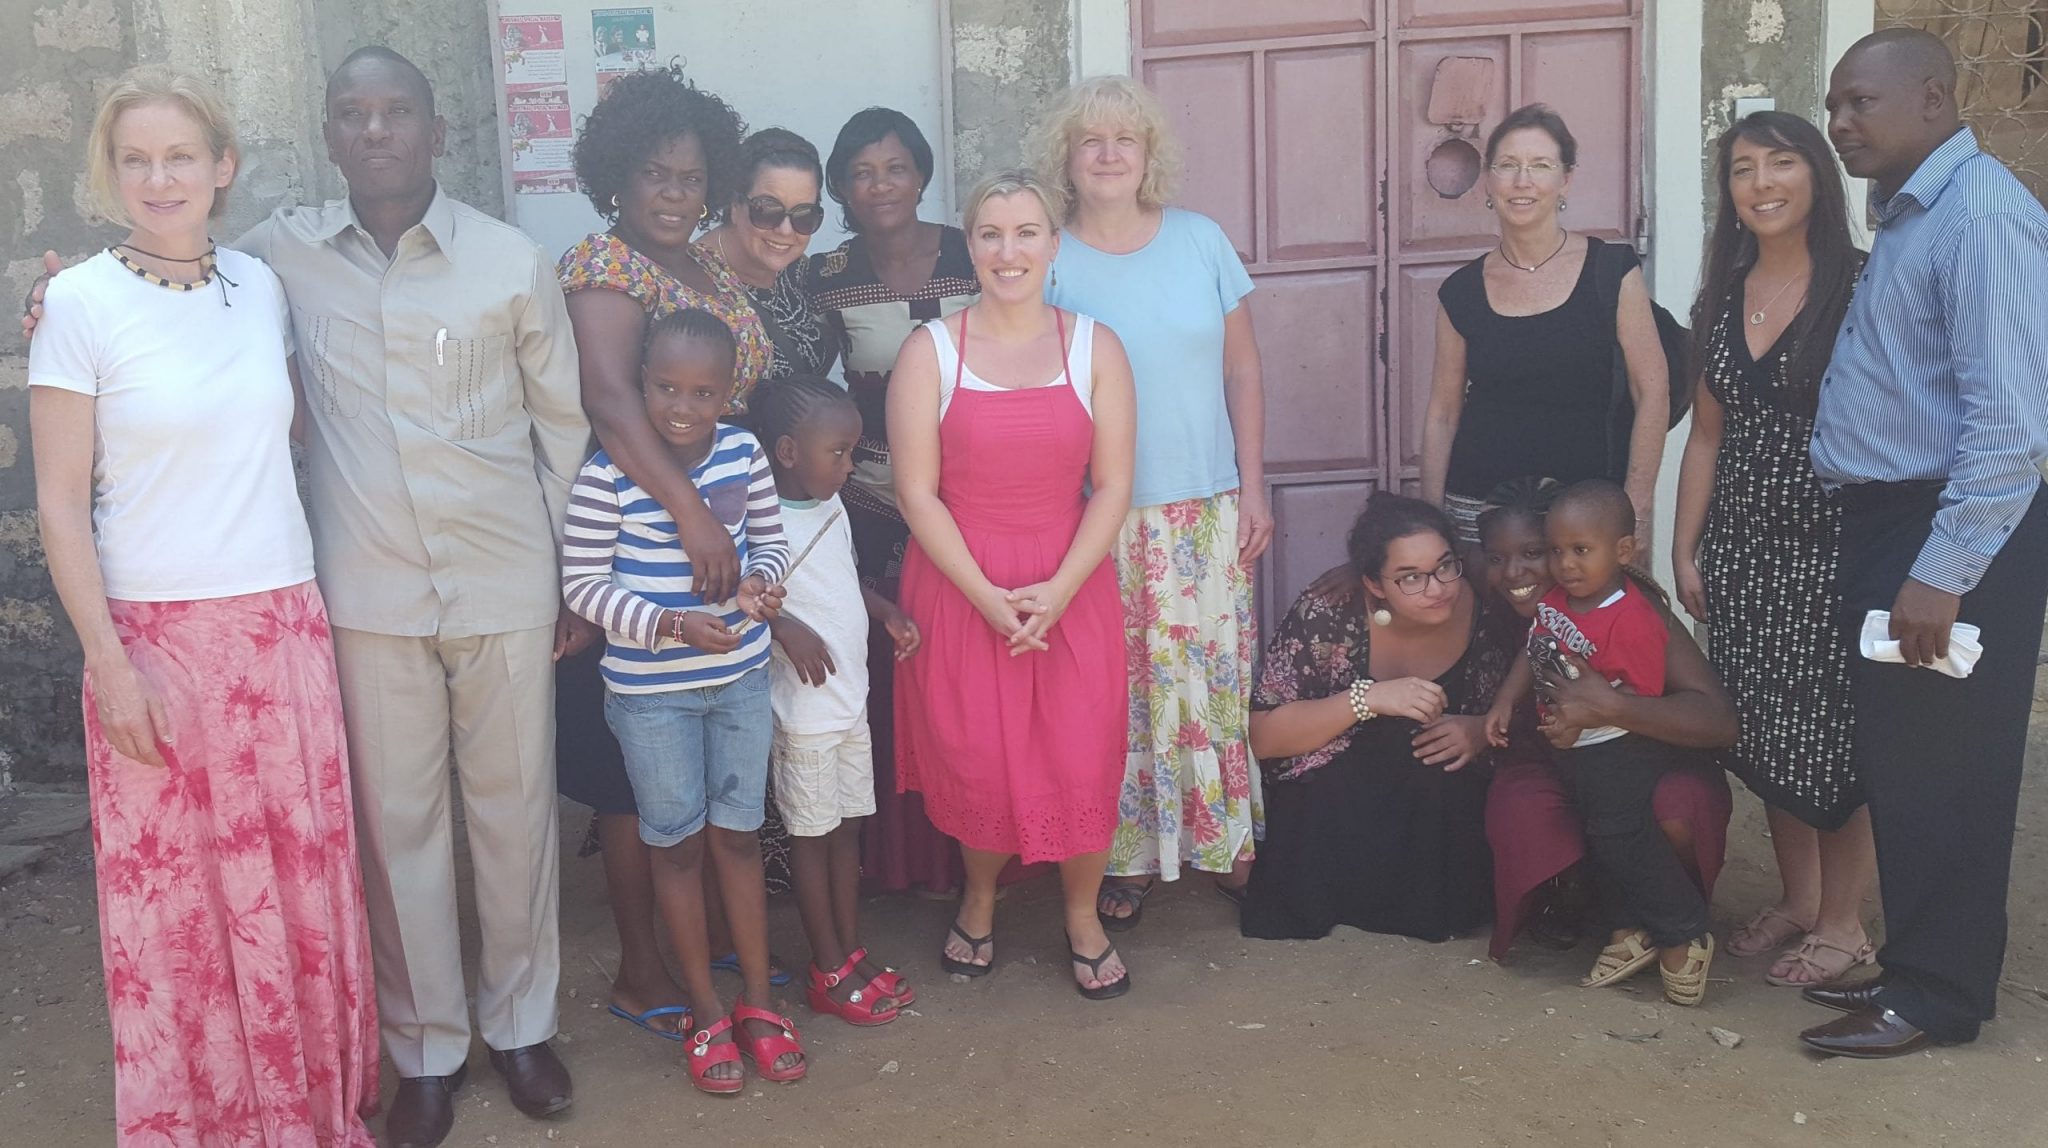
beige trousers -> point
(407, 702)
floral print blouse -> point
(603, 260)
(1320, 647)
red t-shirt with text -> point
(1623, 639)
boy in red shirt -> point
(1601, 618)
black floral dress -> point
(1359, 832)
(1768, 560)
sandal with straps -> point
(1621, 960)
(863, 1006)
(1772, 937)
(974, 944)
(1688, 986)
(1824, 970)
(888, 982)
(1110, 991)
(705, 1056)
(1132, 895)
(766, 1050)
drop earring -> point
(1489, 203)
(1382, 617)
(1561, 201)
(1055, 282)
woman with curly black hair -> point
(659, 157)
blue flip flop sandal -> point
(730, 963)
(640, 1020)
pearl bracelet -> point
(1359, 709)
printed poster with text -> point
(623, 41)
(542, 129)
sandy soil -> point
(1357, 1039)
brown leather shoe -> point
(424, 1109)
(1846, 996)
(1873, 1034)
(538, 1081)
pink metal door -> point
(1338, 143)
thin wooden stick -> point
(803, 554)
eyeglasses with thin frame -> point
(1508, 169)
(1447, 572)
(767, 213)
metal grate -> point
(2001, 49)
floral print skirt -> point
(1190, 794)
(231, 907)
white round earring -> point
(1382, 617)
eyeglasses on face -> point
(767, 213)
(1508, 169)
(1449, 571)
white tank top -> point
(1080, 366)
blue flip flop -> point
(641, 1019)
(730, 963)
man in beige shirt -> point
(446, 427)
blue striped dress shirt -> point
(1940, 372)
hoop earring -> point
(704, 214)
(615, 203)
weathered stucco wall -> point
(270, 59)
(1008, 56)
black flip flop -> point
(974, 944)
(1110, 991)
(1132, 895)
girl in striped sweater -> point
(686, 682)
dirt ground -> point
(1353, 1040)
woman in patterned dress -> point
(231, 916)
(653, 156)
(1755, 547)
(767, 227)
(1170, 283)
(896, 273)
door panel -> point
(1338, 143)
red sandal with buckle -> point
(704, 1056)
(889, 982)
(862, 1006)
(766, 1050)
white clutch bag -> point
(1964, 648)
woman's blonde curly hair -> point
(1108, 102)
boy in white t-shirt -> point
(823, 762)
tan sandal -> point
(1688, 986)
(1805, 957)
(1768, 937)
(1620, 960)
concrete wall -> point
(1008, 56)
(1759, 48)
(270, 59)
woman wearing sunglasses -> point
(766, 229)
(1366, 719)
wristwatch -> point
(1359, 709)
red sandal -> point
(766, 1050)
(860, 1007)
(704, 1056)
(888, 982)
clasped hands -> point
(1025, 616)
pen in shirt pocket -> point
(441, 347)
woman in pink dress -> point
(230, 902)
(1013, 428)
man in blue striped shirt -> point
(1932, 434)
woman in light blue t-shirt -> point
(1170, 283)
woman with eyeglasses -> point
(1525, 344)
(762, 241)
(1368, 721)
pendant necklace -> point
(1563, 237)
(1756, 318)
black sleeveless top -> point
(1539, 386)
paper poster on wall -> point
(533, 50)
(623, 40)
(543, 134)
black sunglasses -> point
(767, 213)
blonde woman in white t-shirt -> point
(161, 403)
